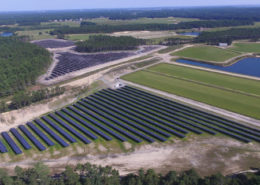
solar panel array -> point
(126, 114)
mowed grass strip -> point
(235, 83)
(246, 47)
(206, 53)
(238, 103)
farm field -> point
(77, 37)
(125, 115)
(37, 34)
(206, 53)
(246, 47)
(209, 78)
(232, 101)
(169, 20)
(145, 34)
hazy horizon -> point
(36, 5)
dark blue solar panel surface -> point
(11, 142)
(20, 138)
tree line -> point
(205, 13)
(20, 64)
(150, 27)
(97, 43)
(227, 36)
(87, 174)
(23, 99)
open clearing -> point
(246, 47)
(233, 101)
(206, 53)
(210, 78)
(36, 34)
(145, 34)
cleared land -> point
(246, 47)
(37, 34)
(236, 102)
(206, 53)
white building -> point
(224, 45)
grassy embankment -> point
(206, 53)
(232, 93)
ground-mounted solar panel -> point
(97, 124)
(52, 134)
(60, 130)
(183, 107)
(70, 129)
(20, 138)
(134, 113)
(122, 116)
(110, 116)
(3, 148)
(11, 143)
(163, 112)
(230, 129)
(102, 134)
(151, 118)
(40, 134)
(119, 110)
(123, 132)
(33, 139)
(81, 128)
(216, 124)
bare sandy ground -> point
(145, 34)
(206, 154)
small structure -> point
(223, 45)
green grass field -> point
(236, 102)
(36, 34)
(206, 53)
(77, 37)
(247, 47)
(211, 78)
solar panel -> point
(11, 142)
(122, 119)
(105, 136)
(118, 109)
(70, 129)
(20, 138)
(3, 148)
(32, 138)
(81, 128)
(60, 130)
(40, 134)
(107, 123)
(52, 134)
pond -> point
(6, 34)
(247, 66)
(190, 33)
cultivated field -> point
(36, 34)
(249, 47)
(206, 53)
(219, 93)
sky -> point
(20, 5)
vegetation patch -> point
(20, 64)
(206, 53)
(247, 47)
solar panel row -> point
(226, 128)
(32, 138)
(20, 138)
(12, 144)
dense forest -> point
(205, 13)
(97, 43)
(150, 27)
(20, 64)
(229, 35)
(87, 174)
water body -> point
(247, 66)
(6, 34)
(190, 33)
